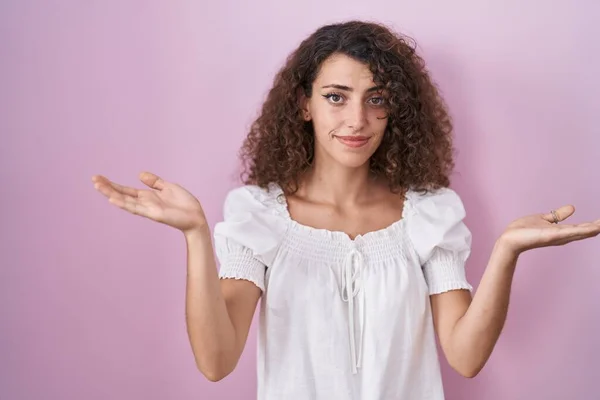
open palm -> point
(538, 231)
(164, 202)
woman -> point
(347, 228)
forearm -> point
(476, 333)
(210, 330)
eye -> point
(377, 101)
(334, 98)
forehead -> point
(344, 70)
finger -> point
(129, 204)
(562, 214)
(115, 190)
(114, 196)
(106, 189)
(582, 230)
(96, 178)
(152, 180)
(129, 191)
(99, 179)
(575, 238)
(593, 226)
(104, 185)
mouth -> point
(353, 141)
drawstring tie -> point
(351, 289)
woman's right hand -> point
(164, 202)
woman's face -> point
(348, 112)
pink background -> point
(92, 299)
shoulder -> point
(252, 217)
(443, 197)
(436, 218)
(443, 204)
(253, 198)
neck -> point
(336, 184)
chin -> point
(348, 158)
(352, 160)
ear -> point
(303, 104)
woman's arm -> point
(218, 312)
(468, 329)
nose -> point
(356, 117)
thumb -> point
(562, 213)
(152, 180)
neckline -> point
(281, 200)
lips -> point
(353, 141)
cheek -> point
(376, 140)
(377, 124)
(325, 123)
(377, 118)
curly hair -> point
(416, 150)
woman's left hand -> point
(539, 231)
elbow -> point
(214, 371)
(467, 361)
(468, 370)
(214, 375)
(468, 373)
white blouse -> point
(342, 318)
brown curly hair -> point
(416, 150)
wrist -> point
(506, 249)
(196, 232)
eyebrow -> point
(349, 89)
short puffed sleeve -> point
(441, 239)
(249, 236)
